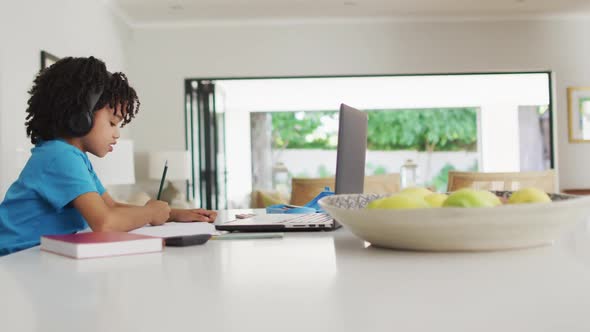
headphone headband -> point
(93, 97)
(80, 124)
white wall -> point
(163, 57)
(61, 27)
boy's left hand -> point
(189, 215)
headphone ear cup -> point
(80, 124)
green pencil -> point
(163, 179)
(244, 236)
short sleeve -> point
(65, 178)
(99, 186)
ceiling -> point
(138, 12)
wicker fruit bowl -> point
(459, 229)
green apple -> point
(529, 195)
(435, 199)
(491, 197)
(418, 191)
(399, 201)
(468, 197)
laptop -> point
(350, 176)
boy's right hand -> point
(160, 212)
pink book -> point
(89, 245)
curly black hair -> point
(61, 91)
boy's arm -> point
(112, 203)
(103, 216)
(189, 215)
(179, 215)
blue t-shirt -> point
(39, 201)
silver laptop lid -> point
(352, 149)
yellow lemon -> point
(468, 197)
(399, 201)
(435, 199)
(529, 195)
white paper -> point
(177, 229)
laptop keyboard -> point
(315, 218)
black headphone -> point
(80, 124)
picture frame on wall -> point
(47, 59)
(578, 112)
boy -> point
(76, 106)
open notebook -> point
(189, 229)
(173, 229)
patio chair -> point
(544, 180)
(304, 190)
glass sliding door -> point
(280, 128)
(206, 141)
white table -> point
(326, 281)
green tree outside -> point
(438, 129)
(427, 130)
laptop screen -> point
(351, 152)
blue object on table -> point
(287, 208)
(310, 207)
(314, 202)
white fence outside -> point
(316, 163)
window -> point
(486, 122)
